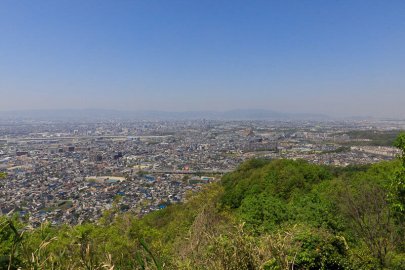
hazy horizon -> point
(233, 114)
(338, 58)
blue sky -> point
(333, 57)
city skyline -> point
(335, 58)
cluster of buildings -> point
(73, 172)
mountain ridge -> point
(111, 114)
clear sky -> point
(343, 57)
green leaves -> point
(279, 178)
(263, 213)
(396, 191)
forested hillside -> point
(279, 214)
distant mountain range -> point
(106, 114)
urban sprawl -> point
(73, 172)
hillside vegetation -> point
(279, 214)
(374, 137)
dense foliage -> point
(279, 214)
